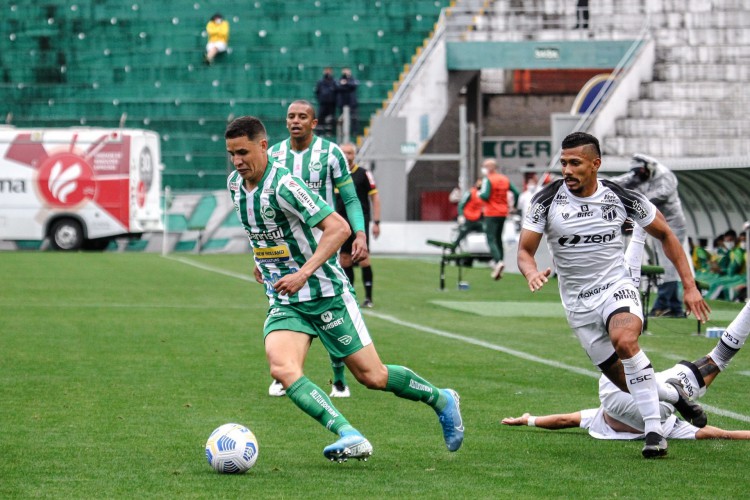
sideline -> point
(461, 338)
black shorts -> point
(347, 246)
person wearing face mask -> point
(659, 185)
(731, 268)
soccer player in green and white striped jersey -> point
(295, 235)
(323, 166)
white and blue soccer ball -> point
(232, 449)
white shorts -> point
(591, 327)
(219, 46)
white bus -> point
(79, 187)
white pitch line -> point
(465, 339)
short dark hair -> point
(581, 139)
(305, 102)
(249, 126)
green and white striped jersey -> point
(322, 165)
(279, 216)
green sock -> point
(313, 401)
(406, 384)
(339, 370)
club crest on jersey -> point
(316, 166)
(267, 212)
(566, 216)
(609, 212)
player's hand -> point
(375, 231)
(537, 279)
(522, 420)
(258, 275)
(694, 304)
(359, 247)
(291, 283)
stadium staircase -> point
(697, 104)
(139, 63)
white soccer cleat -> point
(339, 390)
(497, 272)
(276, 389)
(353, 445)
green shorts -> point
(337, 321)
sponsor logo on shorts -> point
(326, 316)
(594, 291)
(276, 311)
(332, 324)
(346, 339)
(626, 294)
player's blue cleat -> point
(451, 421)
(350, 445)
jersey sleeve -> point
(536, 216)
(301, 201)
(587, 417)
(637, 206)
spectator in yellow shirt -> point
(217, 30)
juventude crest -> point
(267, 212)
(316, 166)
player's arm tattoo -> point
(706, 366)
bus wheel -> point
(67, 234)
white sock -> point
(634, 254)
(732, 339)
(682, 371)
(639, 375)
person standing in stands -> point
(325, 93)
(217, 31)
(346, 95)
(494, 192)
(322, 165)
(367, 192)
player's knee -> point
(373, 379)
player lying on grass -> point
(618, 416)
(295, 235)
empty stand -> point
(99, 62)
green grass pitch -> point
(114, 369)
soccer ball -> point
(232, 449)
